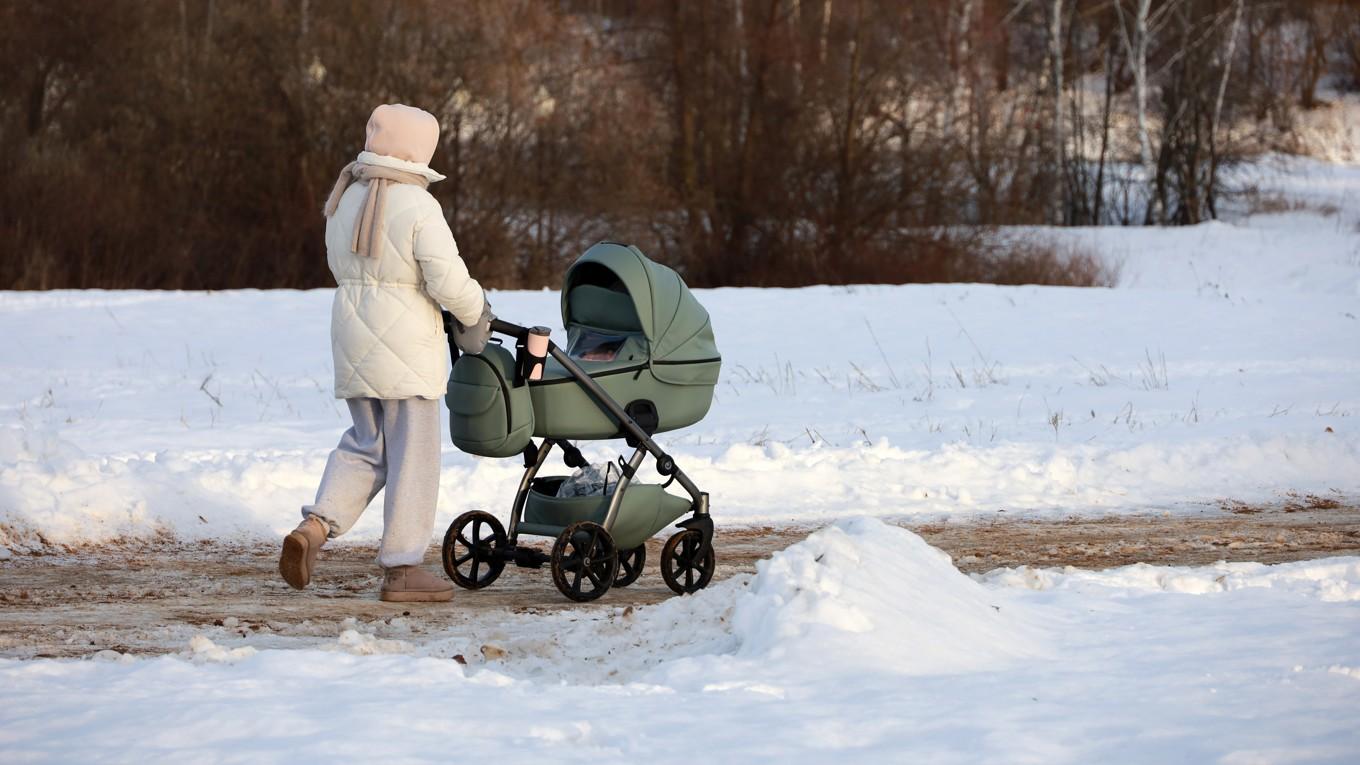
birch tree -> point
(1055, 53)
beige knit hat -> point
(405, 133)
(401, 140)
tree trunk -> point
(37, 102)
(1211, 182)
(1055, 52)
(686, 161)
(1136, 47)
(1314, 62)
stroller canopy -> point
(614, 286)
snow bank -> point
(1328, 579)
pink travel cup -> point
(537, 346)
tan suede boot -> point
(412, 584)
(299, 551)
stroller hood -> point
(615, 286)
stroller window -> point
(595, 346)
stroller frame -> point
(504, 545)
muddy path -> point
(152, 598)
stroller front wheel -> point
(584, 561)
(472, 550)
(686, 565)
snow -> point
(1313, 246)
(1222, 367)
(860, 641)
(1329, 580)
(880, 596)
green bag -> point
(488, 414)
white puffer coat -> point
(386, 332)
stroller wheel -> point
(584, 561)
(630, 565)
(683, 567)
(472, 550)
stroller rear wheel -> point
(630, 565)
(584, 561)
(472, 550)
(684, 567)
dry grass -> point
(1043, 260)
(977, 255)
(1274, 203)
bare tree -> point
(1136, 52)
(743, 141)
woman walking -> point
(395, 262)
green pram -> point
(640, 360)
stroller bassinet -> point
(640, 359)
(637, 330)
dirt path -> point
(153, 598)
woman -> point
(394, 262)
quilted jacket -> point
(386, 332)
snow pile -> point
(878, 597)
(858, 595)
(1328, 579)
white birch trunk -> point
(1136, 47)
(1140, 34)
(1228, 61)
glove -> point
(473, 339)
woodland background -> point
(189, 144)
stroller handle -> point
(507, 328)
(499, 326)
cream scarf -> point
(368, 227)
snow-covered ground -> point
(1223, 366)
(861, 641)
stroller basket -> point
(645, 509)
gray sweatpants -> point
(394, 442)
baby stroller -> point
(640, 360)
